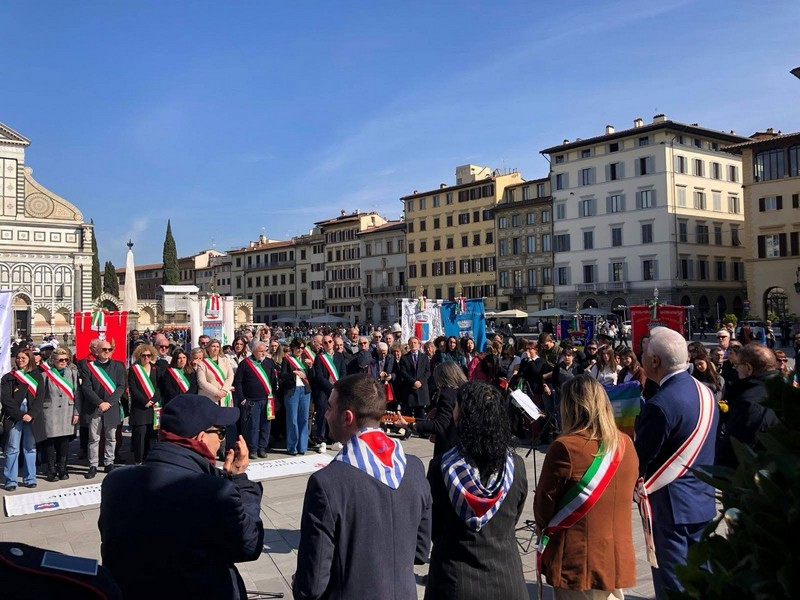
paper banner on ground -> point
(626, 401)
(89, 495)
(421, 319)
(469, 323)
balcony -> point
(386, 289)
(602, 288)
(519, 292)
(278, 264)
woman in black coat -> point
(144, 386)
(179, 378)
(22, 394)
(475, 554)
(449, 377)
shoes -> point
(10, 486)
(51, 477)
(323, 448)
(30, 485)
(337, 446)
(262, 453)
(253, 455)
(91, 473)
(63, 475)
(108, 468)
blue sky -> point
(236, 118)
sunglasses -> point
(592, 348)
(327, 341)
(722, 337)
(62, 359)
(147, 355)
(108, 349)
(783, 359)
(162, 347)
(220, 432)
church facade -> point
(45, 247)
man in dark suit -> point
(415, 369)
(684, 505)
(346, 550)
(254, 386)
(328, 367)
(102, 385)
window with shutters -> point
(532, 278)
(530, 218)
(585, 177)
(437, 269)
(644, 141)
(546, 242)
(559, 159)
(526, 192)
(561, 181)
(647, 199)
(464, 266)
(616, 236)
(681, 196)
(614, 171)
(617, 271)
(516, 246)
(648, 269)
(794, 161)
(647, 233)
(561, 242)
(545, 216)
(409, 206)
(531, 244)
(738, 270)
(699, 168)
(448, 198)
(683, 227)
(702, 234)
(503, 247)
(488, 264)
(488, 215)
(540, 190)
(720, 271)
(772, 245)
(733, 173)
(412, 271)
(586, 153)
(588, 240)
(680, 164)
(718, 235)
(561, 211)
(699, 200)
(516, 220)
(735, 236)
(476, 265)
(685, 265)
(450, 267)
(562, 275)
(547, 276)
(716, 201)
(502, 222)
(436, 202)
(586, 208)
(463, 218)
(770, 203)
(644, 165)
(716, 170)
(733, 205)
(615, 203)
(794, 245)
(589, 275)
(504, 279)
(702, 269)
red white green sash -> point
(264, 379)
(309, 353)
(333, 372)
(580, 498)
(144, 381)
(674, 467)
(61, 383)
(220, 377)
(28, 380)
(103, 377)
(157, 416)
(44, 366)
(297, 365)
(180, 378)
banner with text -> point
(470, 322)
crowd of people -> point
(331, 387)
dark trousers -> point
(55, 453)
(142, 436)
(320, 425)
(257, 433)
(672, 545)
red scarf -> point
(190, 443)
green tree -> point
(97, 286)
(170, 258)
(110, 281)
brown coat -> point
(597, 551)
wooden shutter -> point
(638, 200)
(762, 247)
(622, 202)
(779, 202)
(761, 205)
(608, 172)
(794, 243)
(608, 204)
(782, 242)
(795, 200)
(653, 198)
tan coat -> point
(597, 551)
(207, 384)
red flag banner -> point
(672, 317)
(116, 333)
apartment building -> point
(264, 272)
(524, 233)
(148, 280)
(221, 274)
(310, 273)
(658, 205)
(771, 170)
(450, 246)
(383, 272)
(343, 261)
(196, 269)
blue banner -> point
(470, 323)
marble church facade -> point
(45, 247)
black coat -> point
(141, 414)
(170, 389)
(321, 385)
(94, 393)
(442, 424)
(12, 394)
(408, 375)
(174, 527)
(287, 381)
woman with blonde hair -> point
(61, 409)
(144, 385)
(587, 539)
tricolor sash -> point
(28, 380)
(308, 352)
(297, 365)
(215, 369)
(377, 455)
(103, 377)
(44, 366)
(157, 416)
(264, 379)
(674, 467)
(180, 378)
(333, 372)
(61, 383)
(144, 381)
(580, 498)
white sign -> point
(6, 318)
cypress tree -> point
(110, 281)
(170, 258)
(97, 286)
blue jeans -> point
(260, 427)
(296, 403)
(21, 433)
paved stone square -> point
(75, 531)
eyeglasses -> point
(327, 341)
(147, 355)
(783, 359)
(722, 337)
(62, 359)
(107, 349)
(363, 343)
(220, 432)
(591, 348)
(162, 347)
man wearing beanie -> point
(174, 526)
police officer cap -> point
(189, 414)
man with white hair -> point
(675, 430)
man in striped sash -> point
(328, 367)
(254, 388)
(675, 430)
(102, 385)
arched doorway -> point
(22, 315)
(590, 303)
(776, 301)
(703, 305)
(686, 301)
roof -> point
(9, 136)
(439, 190)
(389, 226)
(346, 217)
(142, 268)
(667, 124)
(764, 142)
(258, 247)
(528, 182)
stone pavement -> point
(75, 531)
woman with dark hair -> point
(587, 537)
(21, 394)
(239, 351)
(631, 369)
(453, 351)
(606, 369)
(294, 383)
(705, 372)
(468, 354)
(479, 489)
(179, 378)
(449, 377)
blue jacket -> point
(174, 527)
(666, 421)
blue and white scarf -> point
(375, 453)
(474, 502)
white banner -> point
(89, 495)
(6, 319)
(422, 320)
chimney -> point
(566, 142)
(344, 212)
(770, 130)
(638, 122)
(609, 129)
(661, 118)
(442, 186)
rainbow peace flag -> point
(626, 401)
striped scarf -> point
(474, 502)
(378, 455)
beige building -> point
(310, 273)
(524, 232)
(450, 247)
(657, 205)
(264, 272)
(771, 176)
(197, 270)
(343, 261)
(383, 272)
